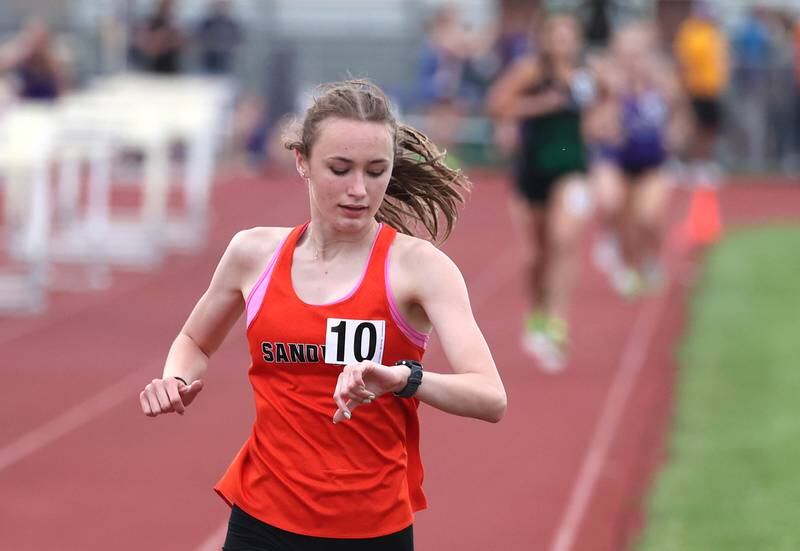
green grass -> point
(732, 480)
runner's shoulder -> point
(421, 261)
(253, 245)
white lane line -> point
(73, 418)
(632, 361)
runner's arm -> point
(474, 389)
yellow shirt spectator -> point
(702, 53)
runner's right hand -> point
(168, 395)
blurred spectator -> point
(751, 51)
(513, 39)
(598, 21)
(780, 98)
(159, 42)
(797, 88)
(445, 52)
(701, 49)
(508, 40)
(261, 114)
(218, 37)
(443, 56)
(37, 73)
(751, 48)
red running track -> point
(82, 468)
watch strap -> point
(414, 378)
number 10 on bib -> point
(352, 341)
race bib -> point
(352, 341)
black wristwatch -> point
(414, 378)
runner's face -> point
(348, 170)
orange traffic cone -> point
(703, 224)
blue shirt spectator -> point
(218, 36)
(751, 49)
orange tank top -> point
(298, 471)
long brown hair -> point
(422, 188)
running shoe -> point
(545, 338)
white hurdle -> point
(80, 235)
(155, 113)
(52, 228)
(27, 135)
